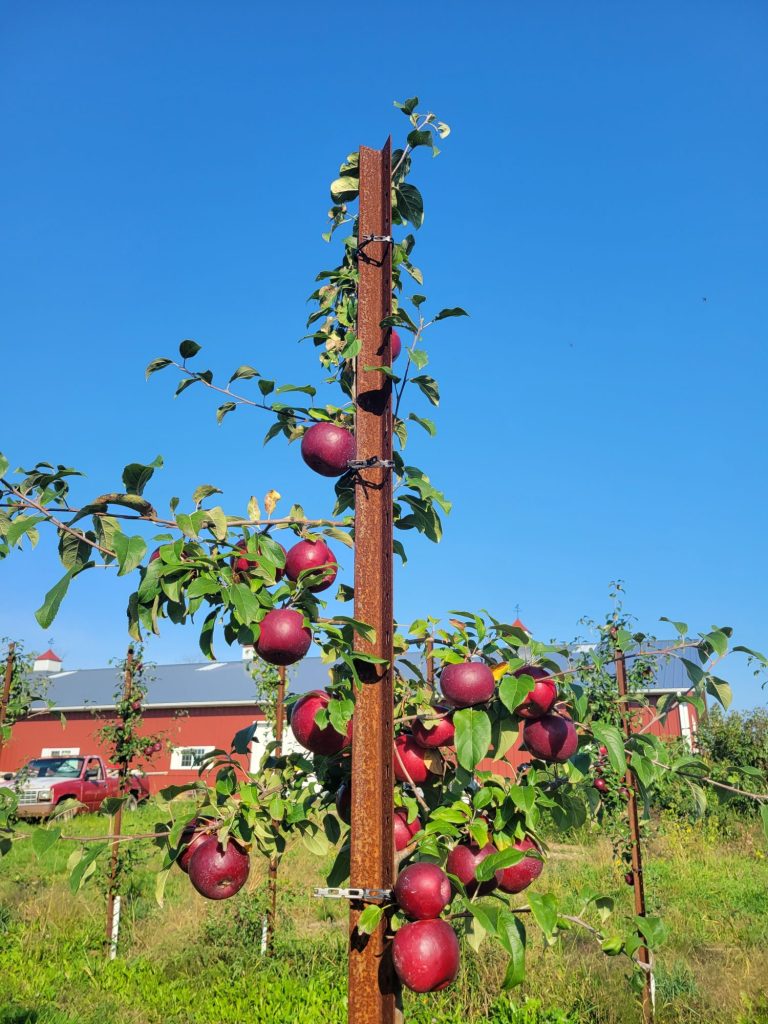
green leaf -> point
(160, 879)
(488, 867)
(343, 190)
(219, 520)
(244, 373)
(454, 311)
(720, 690)
(681, 627)
(43, 839)
(85, 866)
(4, 464)
(473, 736)
(419, 137)
(410, 204)
(136, 475)
(244, 602)
(514, 689)
(409, 106)
(369, 920)
(204, 491)
(544, 909)
(46, 613)
(155, 365)
(188, 348)
(222, 411)
(611, 738)
(510, 932)
(428, 387)
(653, 929)
(129, 551)
(428, 425)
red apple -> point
(404, 832)
(309, 734)
(423, 891)
(462, 862)
(245, 563)
(600, 785)
(415, 760)
(519, 876)
(283, 637)
(551, 737)
(629, 878)
(542, 696)
(315, 555)
(425, 955)
(602, 751)
(440, 735)
(327, 448)
(155, 554)
(217, 873)
(466, 684)
(395, 344)
(195, 832)
(344, 802)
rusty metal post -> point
(117, 818)
(6, 692)
(634, 834)
(273, 862)
(429, 649)
(373, 987)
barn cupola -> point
(47, 662)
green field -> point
(198, 962)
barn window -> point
(187, 758)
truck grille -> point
(29, 796)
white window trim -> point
(178, 752)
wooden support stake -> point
(115, 827)
(6, 692)
(273, 862)
(634, 834)
(373, 987)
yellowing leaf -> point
(271, 499)
(499, 670)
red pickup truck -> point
(69, 784)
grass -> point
(198, 962)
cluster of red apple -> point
(217, 873)
(600, 782)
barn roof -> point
(220, 683)
(186, 685)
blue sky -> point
(166, 177)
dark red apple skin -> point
(344, 802)
(396, 345)
(308, 554)
(155, 554)
(283, 638)
(217, 873)
(551, 738)
(414, 760)
(195, 832)
(600, 785)
(462, 862)
(541, 698)
(441, 735)
(467, 684)
(519, 876)
(629, 878)
(404, 832)
(423, 891)
(309, 734)
(425, 955)
(327, 448)
(244, 564)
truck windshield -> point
(55, 767)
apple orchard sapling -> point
(227, 573)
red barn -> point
(195, 708)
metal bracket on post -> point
(368, 240)
(356, 464)
(366, 895)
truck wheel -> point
(65, 809)
(131, 803)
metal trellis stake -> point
(6, 692)
(373, 987)
(113, 899)
(272, 881)
(630, 782)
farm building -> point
(195, 708)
